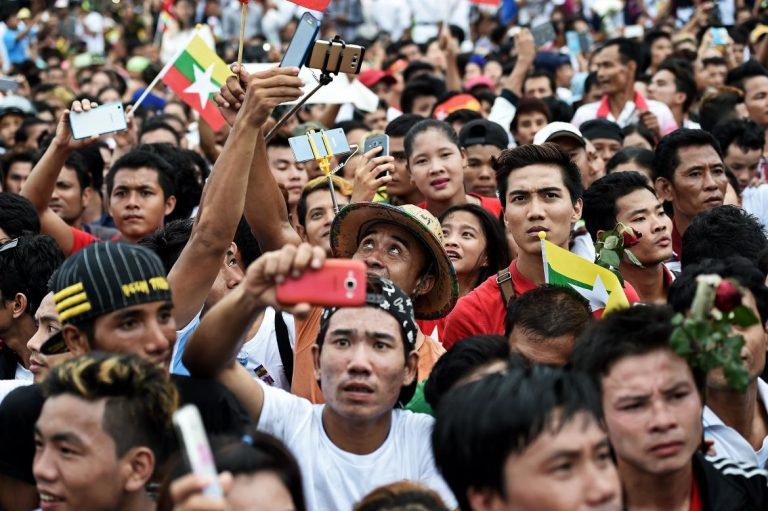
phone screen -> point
(303, 38)
(543, 34)
(572, 40)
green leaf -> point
(632, 259)
(677, 319)
(743, 317)
(612, 242)
(680, 343)
(610, 257)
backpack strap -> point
(284, 345)
(506, 287)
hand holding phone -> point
(339, 283)
(103, 119)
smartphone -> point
(339, 283)
(572, 41)
(302, 149)
(543, 34)
(336, 58)
(8, 84)
(719, 36)
(98, 121)
(375, 141)
(634, 31)
(303, 38)
(585, 41)
(197, 450)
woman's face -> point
(465, 243)
(436, 165)
(273, 495)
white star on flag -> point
(597, 296)
(203, 85)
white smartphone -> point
(197, 450)
(103, 119)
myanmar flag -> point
(597, 284)
(195, 76)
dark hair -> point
(247, 245)
(542, 73)
(27, 268)
(651, 36)
(684, 80)
(400, 126)
(528, 106)
(348, 126)
(721, 232)
(641, 130)
(76, 163)
(548, 311)
(187, 183)
(155, 124)
(599, 211)
(463, 116)
(745, 133)
(16, 157)
(401, 496)
(714, 61)
(496, 248)
(169, 240)
(627, 48)
(480, 425)
(415, 70)
(443, 127)
(718, 108)
(310, 188)
(279, 141)
(740, 74)
(666, 158)
(423, 86)
(544, 154)
(639, 155)
(22, 134)
(17, 215)
(560, 110)
(461, 360)
(139, 158)
(625, 333)
(741, 269)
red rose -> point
(630, 238)
(727, 296)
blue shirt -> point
(18, 51)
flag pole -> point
(162, 73)
(543, 236)
(243, 15)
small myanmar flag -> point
(595, 283)
(195, 76)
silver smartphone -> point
(8, 84)
(375, 141)
(197, 450)
(303, 39)
(103, 119)
(302, 149)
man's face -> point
(528, 125)
(362, 367)
(401, 184)
(392, 252)
(660, 49)
(644, 213)
(538, 87)
(376, 120)
(591, 167)
(137, 203)
(17, 176)
(287, 172)
(230, 275)
(612, 74)
(479, 176)
(663, 88)
(714, 75)
(743, 163)
(47, 320)
(567, 468)
(8, 126)
(159, 136)
(698, 183)
(411, 52)
(538, 200)
(756, 99)
(752, 353)
(653, 412)
(68, 200)
(554, 351)
(605, 148)
(423, 105)
(320, 214)
(76, 466)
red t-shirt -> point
(696, 504)
(81, 239)
(490, 204)
(483, 310)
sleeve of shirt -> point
(467, 318)
(81, 239)
(667, 122)
(429, 475)
(580, 117)
(504, 109)
(283, 413)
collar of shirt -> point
(638, 103)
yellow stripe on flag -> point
(205, 56)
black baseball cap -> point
(483, 132)
(602, 128)
(101, 278)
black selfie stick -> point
(325, 78)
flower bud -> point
(630, 238)
(727, 296)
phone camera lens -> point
(350, 283)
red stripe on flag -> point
(487, 2)
(315, 5)
(178, 84)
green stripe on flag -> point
(558, 279)
(186, 65)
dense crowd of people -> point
(141, 270)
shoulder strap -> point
(284, 346)
(506, 287)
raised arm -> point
(211, 350)
(222, 205)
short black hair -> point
(641, 130)
(399, 126)
(548, 311)
(666, 158)
(139, 158)
(639, 155)
(247, 244)
(714, 61)
(463, 116)
(721, 232)
(422, 86)
(22, 134)
(684, 79)
(542, 73)
(740, 74)
(17, 215)
(27, 268)
(629, 50)
(15, 157)
(740, 269)
(478, 426)
(156, 124)
(719, 107)
(169, 240)
(430, 124)
(527, 106)
(745, 133)
(544, 154)
(652, 35)
(186, 181)
(77, 164)
(599, 211)
(625, 333)
(460, 361)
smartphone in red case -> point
(339, 283)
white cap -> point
(558, 129)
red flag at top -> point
(315, 5)
(487, 2)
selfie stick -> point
(242, 33)
(325, 78)
(324, 162)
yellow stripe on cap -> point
(71, 301)
(75, 311)
(68, 291)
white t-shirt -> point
(261, 351)
(335, 479)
